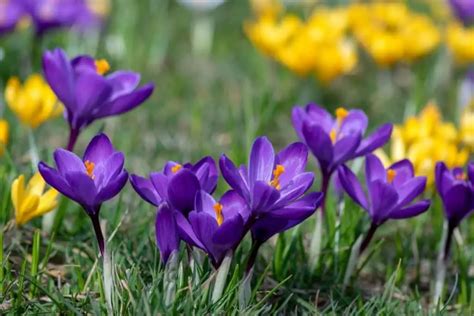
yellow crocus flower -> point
(4, 135)
(460, 41)
(31, 201)
(34, 103)
(467, 129)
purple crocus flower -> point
(456, 189)
(390, 192)
(97, 177)
(176, 187)
(52, 14)
(334, 141)
(87, 94)
(220, 226)
(274, 188)
(10, 13)
(464, 10)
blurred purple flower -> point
(10, 13)
(176, 187)
(220, 226)
(390, 192)
(273, 186)
(464, 10)
(97, 177)
(88, 95)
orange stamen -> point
(391, 175)
(176, 168)
(102, 66)
(277, 172)
(90, 168)
(219, 217)
(341, 114)
(461, 176)
(333, 135)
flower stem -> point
(108, 276)
(73, 135)
(98, 232)
(33, 150)
(368, 238)
(169, 279)
(443, 256)
(253, 256)
(221, 278)
(245, 290)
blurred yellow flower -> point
(34, 102)
(269, 8)
(391, 33)
(317, 46)
(31, 201)
(467, 129)
(4, 135)
(425, 140)
(460, 41)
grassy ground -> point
(207, 105)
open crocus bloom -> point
(30, 200)
(456, 189)
(220, 226)
(97, 177)
(87, 93)
(390, 192)
(273, 186)
(173, 192)
(334, 141)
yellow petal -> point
(17, 194)
(11, 91)
(47, 202)
(36, 185)
(28, 208)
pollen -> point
(341, 114)
(102, 66)
(90, 168)
(391, 175)
(176, 168)
(277, 172)
(333, 135)
(219, 217)
(461, 176)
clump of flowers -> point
(391, 33)
(33, 102)
(424, 140)
(459, 39)
(317, 46)
(4, 135)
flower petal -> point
(206, 172)
(186, 231)
(67, 161)
(145, 189)
(320, 145)
(345, 148)
(299, 185)
(233, 177)
(411, 211)
(404, 172)
(112, 188)
(264, 197)
(293, 158)
(383, 198)
(182, 190)
(166, 232)
(261, 161)
(352, 186)
(375, 140)
(56, 180)
(410, 190)
(458, 201)
(374, 169)
(355, 123)
(84, 188)
(99, 149)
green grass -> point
(208, 105)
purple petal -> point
(234, 204)
(126, 102)
(293, 158)
(99, 149)
(60, 76)
(56, 180)
(458, 202)
(83, 63)
(320, 145)
(84, 188)
(67, 161)
(261, 161)
(355, 123)
(320, 116)
(383, 198)
(206, 172)
(160, 183)
(404, 172)
(91, 90)
(299, 185)
(229, 233)
(411, 211)
(352, 186)
(302, 208)
(145, 189)
(166, 232)
(410, 190)
(298, 118)
(470, 173)
(375, 140)
(182, 190)
(204, 226)
(205, 203)
(441, 184)
(233, 177)
(374, 169)
(345, 148)
(264, 197)
(112, 188)
(122, 82)
(186, 232)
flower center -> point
(277, 172)
(102, 66)
(391, 175)
(341, 115)
(176, 168)
(461, 176)
(90, 168)
(219, 217)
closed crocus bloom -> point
(463, 10)
(334, 141)
(96, 178)
(459, 40)
(30, 201)
(390, 192)
(173, 192)
(220, 226)
(11, 12)
(34, 102)
(87, 93)
(274, 187)
(456, 189)
(4, 135)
